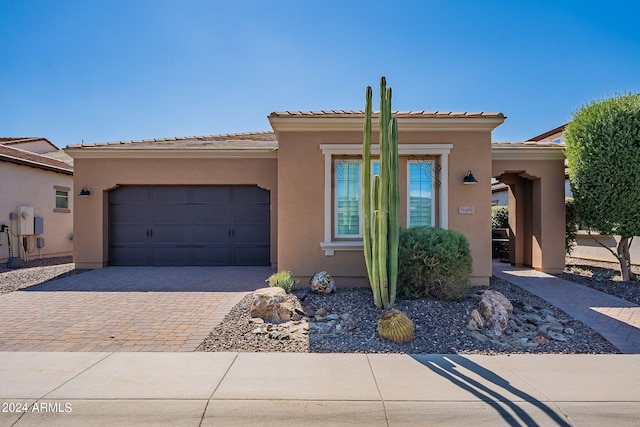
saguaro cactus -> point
(380, 205)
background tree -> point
(603, 150)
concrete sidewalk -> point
(191, 389)
(615, 319)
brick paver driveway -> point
(124, 308)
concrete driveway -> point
(125, 308)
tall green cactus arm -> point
(394, 206)
(366, 183)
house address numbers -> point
(466, 210)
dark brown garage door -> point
(189, 225)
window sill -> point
(329, 248)
(62, 210)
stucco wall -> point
(27, 186)
(301, 199)
(101, 175)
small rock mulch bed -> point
(602, 276)
(346, 321)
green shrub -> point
(284, 280)
(433, 262)
(571, 225)
(499, 217)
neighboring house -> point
(37, 200)
(291, 198)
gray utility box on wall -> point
(38, 225)
(40, 242)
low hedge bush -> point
(433, 262)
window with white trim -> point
(347, 198)
(61, 198)
(420, 203)
(343, 189)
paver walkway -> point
(124, 308)
(615, 319)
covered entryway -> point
(182, 225)
(534, 174)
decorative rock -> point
(322, 283)
(321, 312)
(569, 331)
(495, 309)
(272, 305)
(473, 325)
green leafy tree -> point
(603, 150)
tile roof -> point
(399, 114)
(549, 133)
(12, 140)
(27, 158)
(226, 141)
(515, 144)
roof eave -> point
(155, 152)
(355, 124)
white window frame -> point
(433, 190)
(63, 190)
(329, 246)
(335, 206)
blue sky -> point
(117, 70)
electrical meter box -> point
(38, 225)
(25, 220)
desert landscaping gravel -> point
(35, 272)
(441, 327)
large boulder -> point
(493, 313)
(274, 306)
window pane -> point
(62, 200)
(420, 194)
(347, 181)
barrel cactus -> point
(395, 326)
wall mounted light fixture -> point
(84, 192)
(469, 178)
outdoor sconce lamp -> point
(84, 192)
(469, 178)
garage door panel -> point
(171, 194)
(211, 235)
(128, 234)
(171, 255)
(130, 195)
(129, 214)
(252, 236)
(212, 214)
(219, 194)
(129, 255)
(172, 214)
(246, 214)
(212, 255)
(171, 235)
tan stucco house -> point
(290, 198)
(36, 207)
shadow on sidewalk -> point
(494, 390)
